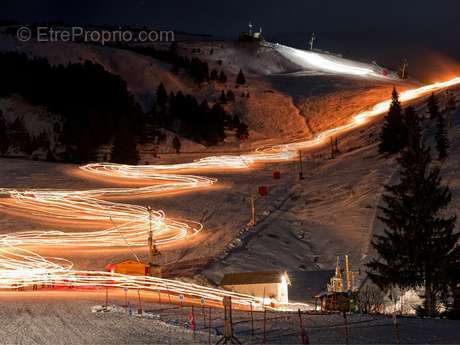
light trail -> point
(283, 152)
(22, 267)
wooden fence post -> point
(265, 326)
(209, 327)
(302, 335)
(346, 326)
(140, 302)
(252, 322)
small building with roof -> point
(268, 284)
(251, 36)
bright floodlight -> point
(312, 60)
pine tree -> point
(4, 138)
(176, 144)
(214, 75)
(222, 77)
(394, 133)
(230, 96)
(124, 150)
(242, 131)
(19, 136)
(442, 140)
(241, 79)
(419, 245)
(162, 97)
(412, 121)
(235, 121)
(223, 98)
(433, 106)
(451, 103)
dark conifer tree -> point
(162, 97)
(124, 150)
(214, 75)
(50, 156)
(394, 133)
(175, 67)
(199, 70)
(235, 121)
(176, 144)
(19, 136)
(222, 77)
(412, 122)
(241, 79)
(230, 96)
(85, 151)
(433, 106)
(4, 138)
(223, 98)
(451, 103)
(442, 140)
(242, 130)
(419, 245)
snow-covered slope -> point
(320, 62)
(281, 104)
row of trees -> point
(419, 247)
(96, 109)
(15, 135)
(200, 122)
(94, 105)
(396, 132)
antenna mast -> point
(312, 40)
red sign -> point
(276, 175)
(263, 190)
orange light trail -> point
(22, 267)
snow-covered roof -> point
(244, 278)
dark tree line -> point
(396, 131)
(200, 122)
(419, 247)
(95, 105)
(14, 135)
(96, 109)
(393, 137)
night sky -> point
(226, 17)
(384, 30)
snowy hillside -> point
(282, 81)
(320, 62)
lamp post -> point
(300, 166)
